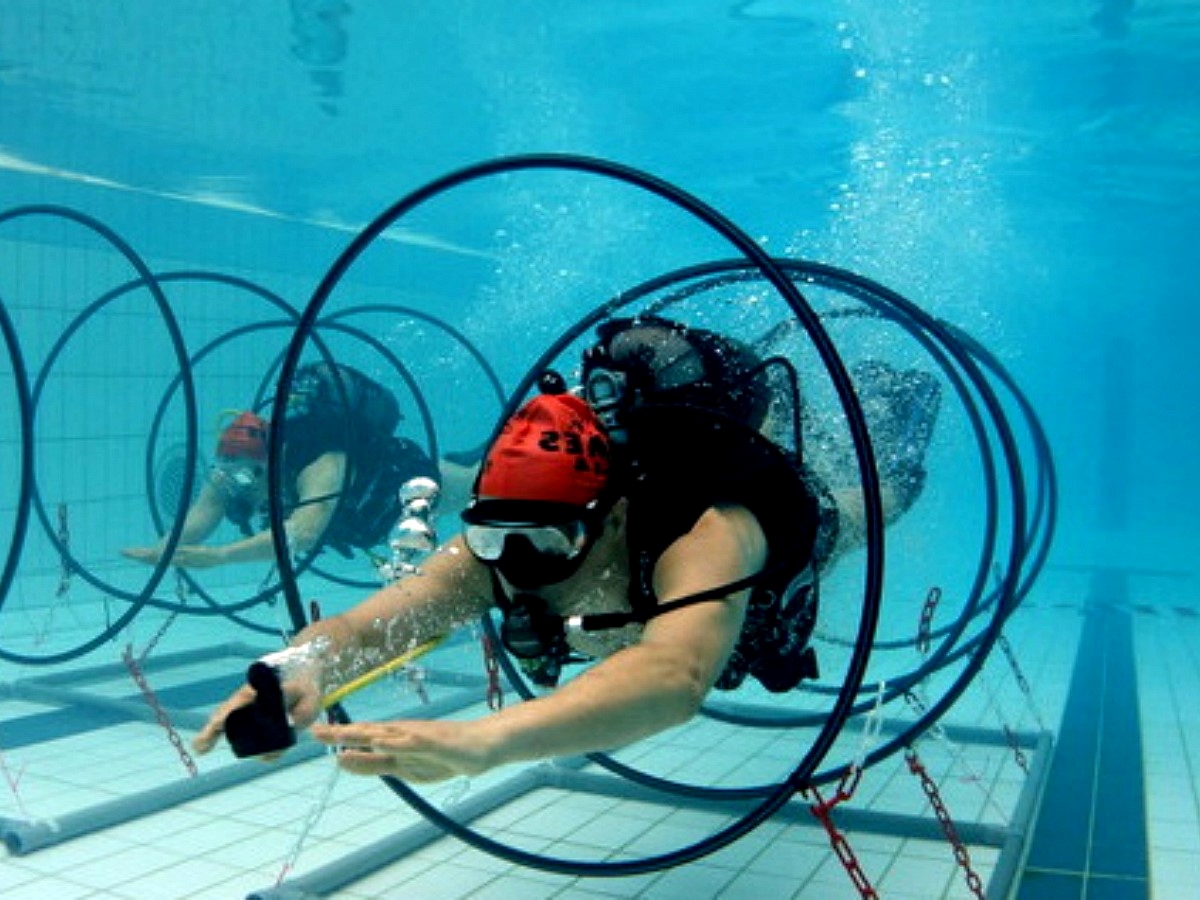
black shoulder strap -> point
(604, 621)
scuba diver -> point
(343, 468)
(643, 523)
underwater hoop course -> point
(647, 451)
(881, 668)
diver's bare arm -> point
(317, 486)
(659, 682)
(202, 519)
(451, 589)
(637, 692)
(204, 515)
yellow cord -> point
(375, 674)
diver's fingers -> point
(148, 555)
(412, 751)
(372, 757)
(366, 762)
(352, 734)
(208, 736)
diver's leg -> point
(901, 409)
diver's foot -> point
(901, 408)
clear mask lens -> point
(237, 475)
(488, 542)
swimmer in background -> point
(342, 474)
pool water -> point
(176, 190)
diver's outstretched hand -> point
(415, 750)
(148, 555)
(187, 556)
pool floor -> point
(1101, 804)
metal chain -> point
(64, 542)
(14, 784)
(921, 708)
(417, 681)
(158, 636)
(1018, 753)
(872, 728)
(925, 629)
(181, 594)
(1011, 657)
(1022, 681)
(938, 733)
(315, 811)
(822, 810)
(160, 712)
(182, 591)
(495, 693)
(961, 854)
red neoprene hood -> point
(244, 438)
(552, 449)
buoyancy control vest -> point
(684, 461)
